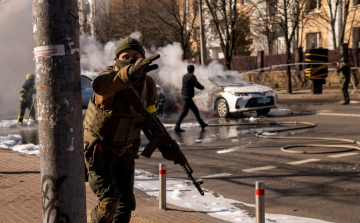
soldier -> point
(344, 69)
(189, 82)
(111, 137)
(26, 95)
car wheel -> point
(264, 111)
(222, 108)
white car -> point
(232, 94)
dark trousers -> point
(189, 104)
(344, 89)
(23, 107)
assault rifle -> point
(157, 135)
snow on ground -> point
(179, 192)
(14, 123)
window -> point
(356, 3)
(196, 34)
(195, 8)
(246, 2)
(314, 5)
(313, 40)
(86, 82)
(356, 37)
(272, 6)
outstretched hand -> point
(142, 66)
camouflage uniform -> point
(112, 142)
(26, 94)
(344, 69)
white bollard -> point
(162, 186)
(260, 201)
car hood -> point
(247, 88)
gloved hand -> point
(142, 66)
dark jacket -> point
(345, 71)
(189, 82)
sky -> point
(178, 191)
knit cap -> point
(129, 44)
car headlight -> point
(239, 94)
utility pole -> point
(58, 85)
(202, 45)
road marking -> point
(216, 175)
(303, 161)
(342, 155)
(259, 168)
(340, 114)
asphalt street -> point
(231, 159)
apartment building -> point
(317, 23)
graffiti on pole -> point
(49, 189)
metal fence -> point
(247, 63)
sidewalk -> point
(307, 94)
(21, 201)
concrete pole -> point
(58, 85)
(202, 43)
(162, 186)
(260, 201)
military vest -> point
(115, 125)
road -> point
(231, 158)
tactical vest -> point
(115, 125)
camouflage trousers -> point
(344, 89)
(113, 185)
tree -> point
(335, 20)
(225, 21)
(289, 14)
(266, 24)
(133, 16)
(176, 21)
(103, 23)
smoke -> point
(16, 47)
(17, 58)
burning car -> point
(231, 94)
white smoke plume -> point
(16, 60)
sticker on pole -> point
(49, 51)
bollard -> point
(260, 201)
(162, 186)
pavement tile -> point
(20, 196)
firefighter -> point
(111, 136)
(26, 98)
(344, 69)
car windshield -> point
(228, 80)
(85, 82)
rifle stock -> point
(157, 135)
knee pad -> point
(107, 209)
